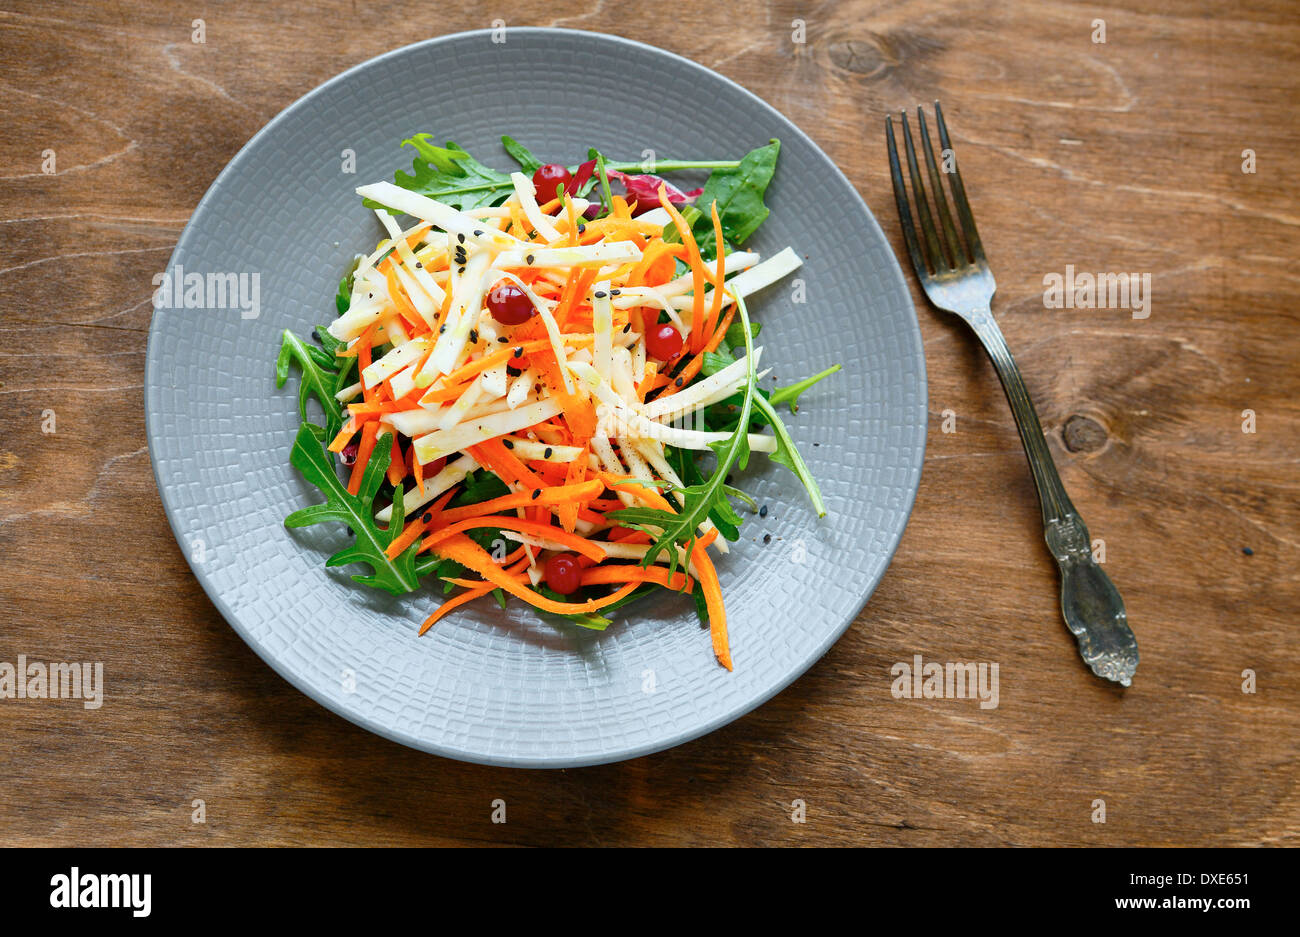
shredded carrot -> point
(478, 590)
(713, 603)
(623, 572)
(493, 455)
(369, 433)
(470, 555)
(692, 258)
(540, 497)
(701, 338)
(651, 371)
(588, 548)
(418, 525)
(396, 463)
(456, 602)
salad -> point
(540, 383)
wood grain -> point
(1122, 156)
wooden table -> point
(1124, 156)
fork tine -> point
(955, 249)
(938, 259)
(959, 192)
(904, 209)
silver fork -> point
(957, 278)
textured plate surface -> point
(509, 687)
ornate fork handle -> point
(1092, 606)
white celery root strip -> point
(453, 473)
(472, 432)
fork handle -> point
(1092, 606)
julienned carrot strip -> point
(404, 307)
(651, 370)
(345, 435)
(396, 463)
(494, 455)
(478, 590)
(554, 473)
(574, 473)
(716, 338)
(470, 370)
(443, 312)
(365, 352)
(713, 603)
(575, 543)
(365, 339)
(418, 525)
(692, 258)
(443, 394)
(417, 470)
(470, 555)
(624, 572)
(545, 497)
(469, 595)
(369, 433)
(711, 320)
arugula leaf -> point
(790, 393)
(332, 345)
(343, 298)
(788, 455)
(707, 497)
(528, 163)
(739, 193)
(319, 379)
(309, 457)
(479, 485)
(451, 175)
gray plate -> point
(510, 688)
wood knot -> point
(859, 56)
(1083, 434)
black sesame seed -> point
(419, 266)
(513, 371)
(428, 516)
(370, 296)
(462, 271)
(582, 228)
(678, 382)
(461, 237)
(762, 512)
(1248, 551)
(528, 259)
(519, 350)
(473, 336)
(627, 328)
(599, 294)
(615, 292)
(478, 232)
(537, 493)
(503, 340)
(767, 538)
(547, 453)
(441, 329)
(507, 443)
